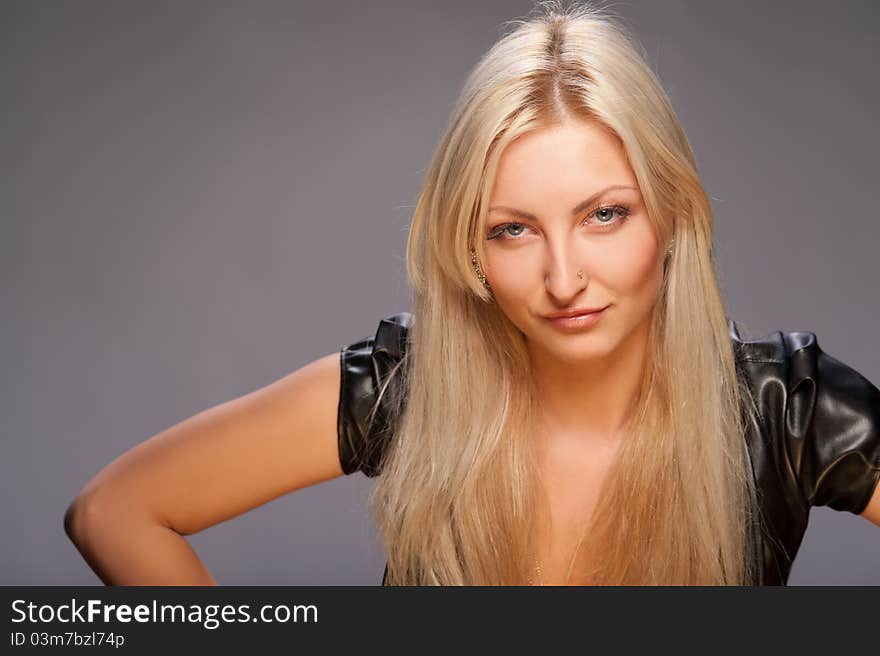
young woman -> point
(568, 402)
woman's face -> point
(566, 200)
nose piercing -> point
(580, 274)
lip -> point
(576, 320)
(573, 313)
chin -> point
(578, 348)
(585, 353)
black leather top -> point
(815, 442)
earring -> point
(671, 244)
(478, 271)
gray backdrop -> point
(198, 198)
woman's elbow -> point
(87, 513)
(77, 515)
(70, 519)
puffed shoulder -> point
(366, 366)
(825, 414)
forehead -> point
(571, 158)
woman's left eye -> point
(605, 215)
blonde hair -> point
(456, 498)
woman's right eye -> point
(503, 229)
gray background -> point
(198, 198)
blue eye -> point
(503, 230)
(609, 211)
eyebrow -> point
(580, 207)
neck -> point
(593, 400)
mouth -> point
(576, 319)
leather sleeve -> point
(367, 413)
(833, 423)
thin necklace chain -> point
(540, 572)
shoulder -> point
(776, 347)
(368, 398)
(825, 413)
(390, 338)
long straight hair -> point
(456, 499)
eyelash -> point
(624, 210)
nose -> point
(561, 274)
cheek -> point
(630, 268)
(510, 274)
(516, 280)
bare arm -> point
(872, 511)
(128, 522)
